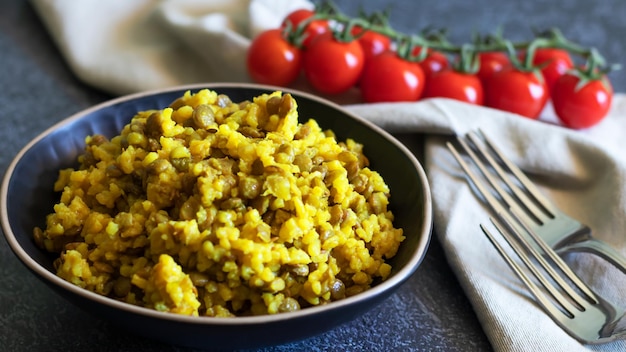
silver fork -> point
(561, 232)
(570, 303)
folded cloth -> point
(128, 46)
(583, 172)
(144, 45)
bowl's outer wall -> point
(224, 336)
(30, 198)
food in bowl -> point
(218, 208)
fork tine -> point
(520, 176)
(536, 213)
(493, 202)
(554, 257)
(566, 307)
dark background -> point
(430, 313)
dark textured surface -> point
(430, 313)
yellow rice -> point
(215, 208)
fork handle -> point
(599, 248)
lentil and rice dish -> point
(215, 208)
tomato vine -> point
(378, 22)
(531, 64)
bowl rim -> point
(395, 280)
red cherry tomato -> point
(331, 66)
(455, 85)
(273, 60)
(434, 62)
(523, 93)
(581, 107)
(387, 77)
(372, 43)
(556, 61)
(490, 63)
(313, 29)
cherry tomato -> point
(490, 63)
(372, 43)
(455, 85)
(273, 60)
(523, 93)
(387, 77)
(581, 107)
(332, 66)
(556, 61)
(313, 29)
(434, 62)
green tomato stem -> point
(468, 53)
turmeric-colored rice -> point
(215, 208)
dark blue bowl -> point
(27, 197)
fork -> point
(561, 232)
(571, 304)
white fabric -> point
(127, 46)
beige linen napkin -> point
(143, 45)
(583, 172)
(125, 46)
